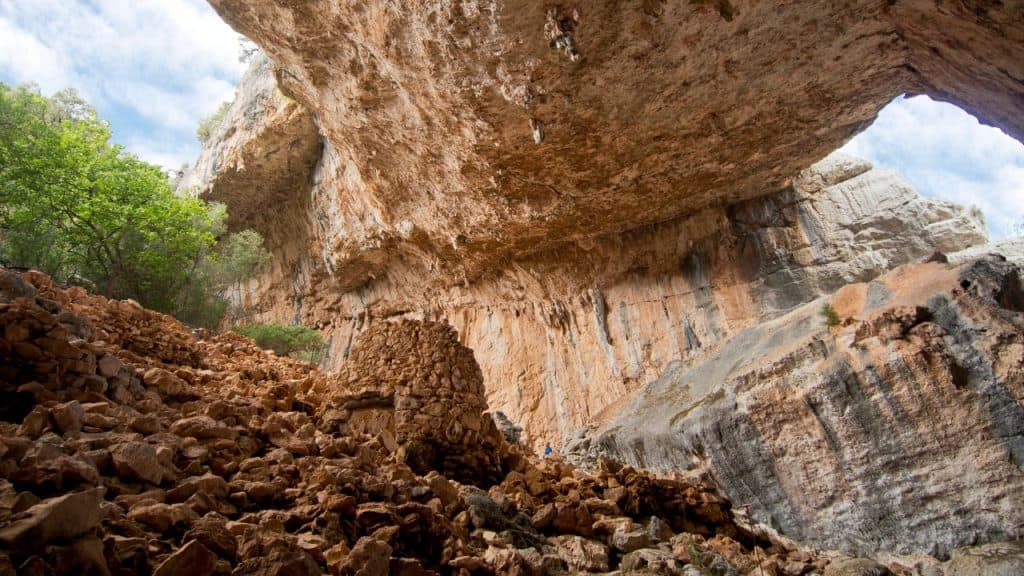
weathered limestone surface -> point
(561, 337)
(1012, 249)
(432, 111)
(601, 195)
(902, 429)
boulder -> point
(580, 553)
(203, 428)
(193, 559)
(68, 417)
(60, 519)
(369, 557)
(137, 461)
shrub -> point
(207, 126)
(294, 340)
(830, 314)
(78, 207)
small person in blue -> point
(547, 450)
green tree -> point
(76, 206)
(236, 257)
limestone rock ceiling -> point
(487, 130)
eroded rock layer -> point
(486, 130)
(598, 195)
(900, 429)
(563, 336)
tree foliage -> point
(209, 125)
(78, 207)
(234, 259)
(285, 340)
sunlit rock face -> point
(563, 336)
(643, 112)
(596, 195)
(900, 429)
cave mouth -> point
(947, 153)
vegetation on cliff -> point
(81, 209)
(209, 124)
(286, 340)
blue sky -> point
(945, 152)
(155, 67)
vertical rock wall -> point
(563, 336)
(600, 196)
(902, 429)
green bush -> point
(75, 205)
(830, 314)
(207, 126)
(294, 340)
(234, 258)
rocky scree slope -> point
(130, 446)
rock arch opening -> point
(947, 153)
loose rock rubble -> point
(130, 446)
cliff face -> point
(602, 196)
(563, 336)
(481, 131)
(863, 435)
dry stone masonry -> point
(431, 392)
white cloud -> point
(947, 153)
(166, 153)
(29, 60)
(151, 67)
(170, 108)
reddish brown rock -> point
(193, 558)
(68, 417)
(61, 519)
(137, 461)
